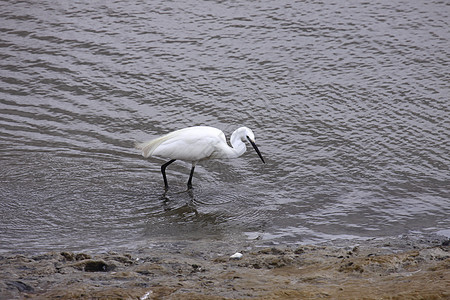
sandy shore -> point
(388, 269)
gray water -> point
(349, 103)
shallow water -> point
(348, 102)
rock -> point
(273, 251)
(21, 286)
(90, 265)
(237, 255)
(70, 256)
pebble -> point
(237, 255)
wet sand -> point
(400, 268)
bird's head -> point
(251, 138)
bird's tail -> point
(148, 147)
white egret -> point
(194, 144)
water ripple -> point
(348, 102)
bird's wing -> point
(189, 144)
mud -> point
(388, 269)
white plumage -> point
(194, 144)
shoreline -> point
(401, 268)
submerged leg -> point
(189, 184)
(163, 171)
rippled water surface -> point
(349, 103)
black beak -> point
(256, 149)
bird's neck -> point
(238, 146)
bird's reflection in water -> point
(171, 203)
(183, 208)
(192, 214)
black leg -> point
(190, 177)
(163, 171)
